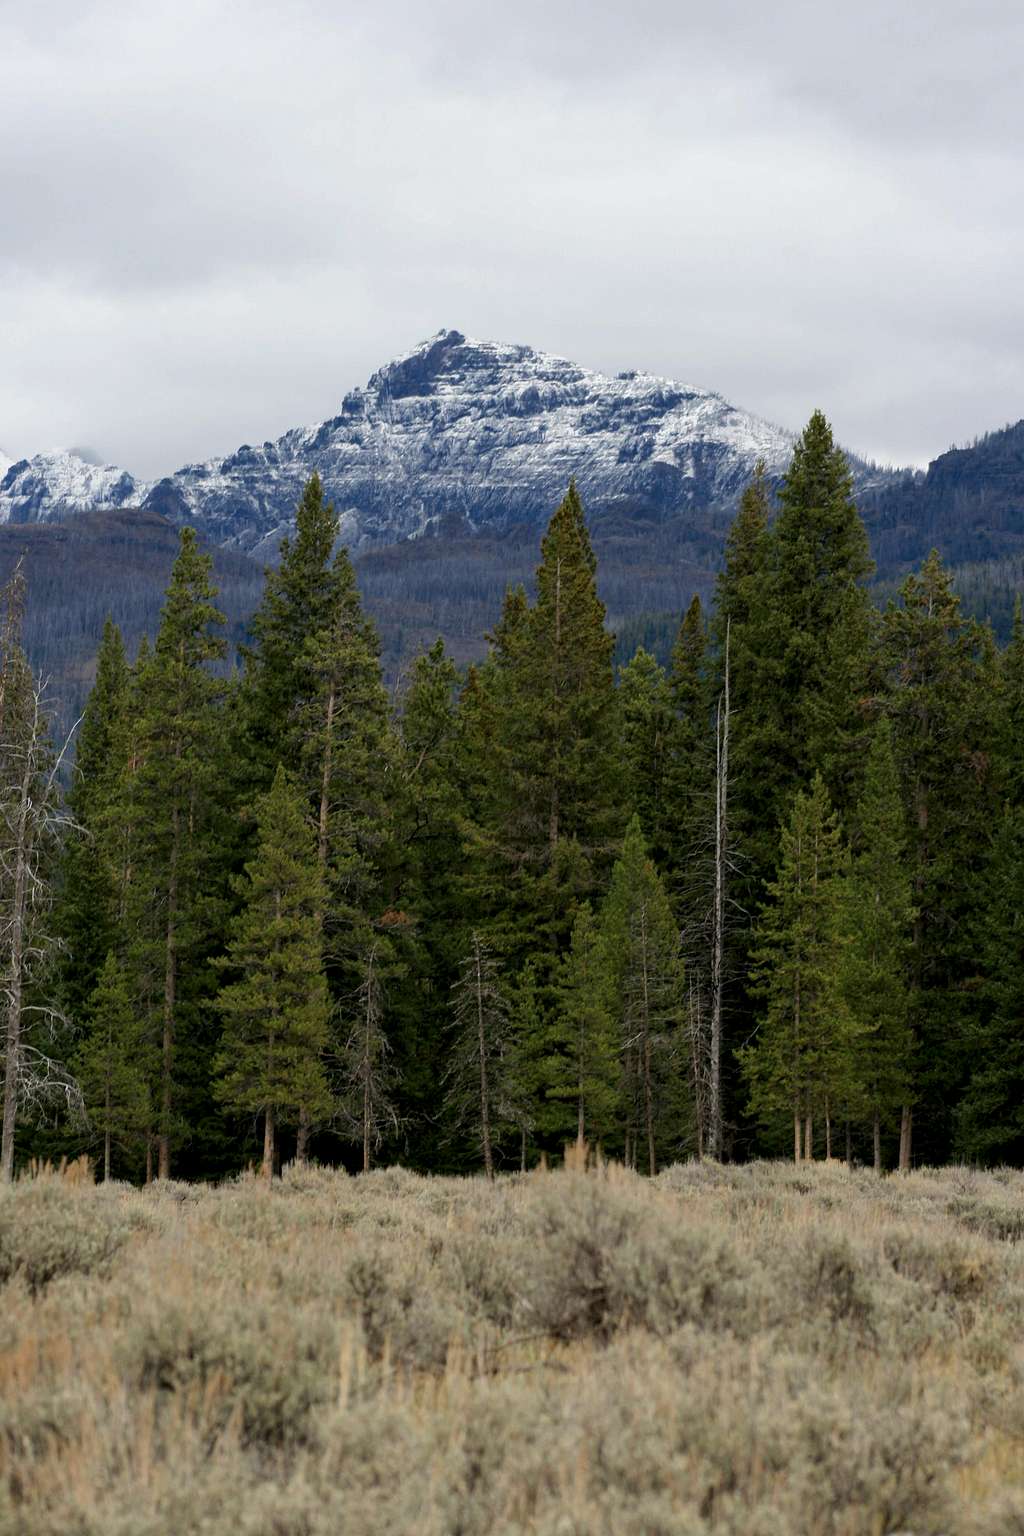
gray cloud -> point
(217, 216)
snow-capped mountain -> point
(51, 486)
(456, 436)
(482, 436)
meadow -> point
(759, 1350)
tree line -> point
(766, 898)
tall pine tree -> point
(276, 1012)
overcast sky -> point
(217, 216)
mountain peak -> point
(456, 432)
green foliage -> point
(990, 1116)
(800, 628)
(648, 743)
(89, 906)
(646, 997)
(803, 1060)
(879, 920)
(583, 1066)
(111, 1064)
(942, 693)
(276, 1013)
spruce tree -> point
(1010, 719)
(990, 1115)
(879, 923)
(422, 880)
(584, 1067)
(88, 908)
(276, 1012)
(941, 695)
(175, 801)
(111, 1063)
(800, 642)
(646, 981)
(543, 797)
(803, 1061)
(313, 700)
(648, 739)
(690, 770)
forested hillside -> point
(765, 898)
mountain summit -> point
(481, 437)
(456, 437)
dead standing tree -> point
(476, 1074)
(32, 822)
(365, 1102)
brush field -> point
(764, 1350)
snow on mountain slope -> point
(51, 486)
(482, 436)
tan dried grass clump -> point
(753, 1351)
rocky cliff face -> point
(469, 436)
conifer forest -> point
(766, 901)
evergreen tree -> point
(543, 787)
(803, 1061)
(584, 1066)
(800, 634)
(990, 1115)
(88, 908)
(691, 769)
(111, 1063)
(1010, 721)
(942, 687)
(423, 880)
(648, 732)
(345, 757)
(645, 972)
(299, 601)
(275, 1014)
(879, 920)
(176, 798)
(550, 780)
(313, 700)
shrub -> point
(50, 1228)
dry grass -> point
(759, 1351)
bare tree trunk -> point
(268, 1143)
(106, 1134)
(796, 1133)
(808, 1139)
(878, 1143)
(906, 1129)
(366, 1123)
(649, 1108)
(485, 1107)
(828, 1132)
(718, 941)
(170, 987)
(522, 1149)
(16, 975)
(302, 1137)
